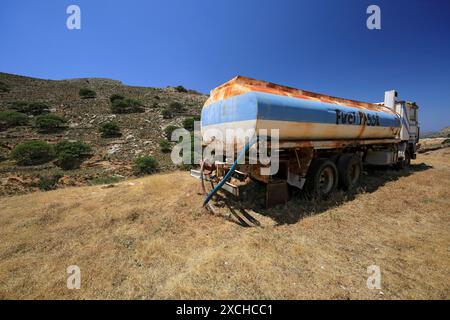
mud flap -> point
(276, 193)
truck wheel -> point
(322, 179)
(350, 170)
(404, 163)
(407, 159)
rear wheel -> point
(322, 179)
(350, 170)
(405, 162)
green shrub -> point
(145, 165)
(34, 108)
(115, 97)
(168, 131)
(13, 119)
(4, 87)
(180, 89)
(32, 153)
(110, 130)
(49, 122)
(176, 107)
(86, 93)
(19, 106)
(167, 114)
(126, 106)
(446, 141)
(70, 154)
(188, 124)
(165, 146)
(49, 182)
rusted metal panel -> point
(241, 84)
(277, 193)
(245, 104)
(332, 144)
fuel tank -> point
(249, 104)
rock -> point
(108, 186)
(113, 149)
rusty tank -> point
(248, 104)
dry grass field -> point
(149, 238)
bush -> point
(181, 89)
(446, 141)
(165, 146)
(167, 114)
(4, 87)
(86, 93)
(13, 119)
(145, 165)
(188, 124)
(126, 106)
(19, 106)
(176, 107)
(34, 108)
(115, 97)
(49, 122)
(70, 154)
(32, 153)
(168, 131)
(110, 130)
(47, 183)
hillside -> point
(141, 132)
(443, 133)
(149, 238)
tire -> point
(407, 159)
(322, 179)
(404, 163)
(350, 170)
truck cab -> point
(409, 132)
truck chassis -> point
(317, 167)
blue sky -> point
(321, 46)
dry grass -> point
(149, 238)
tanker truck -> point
(322, 141)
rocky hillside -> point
(443, 133)
(141, 132)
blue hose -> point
(230, 172)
